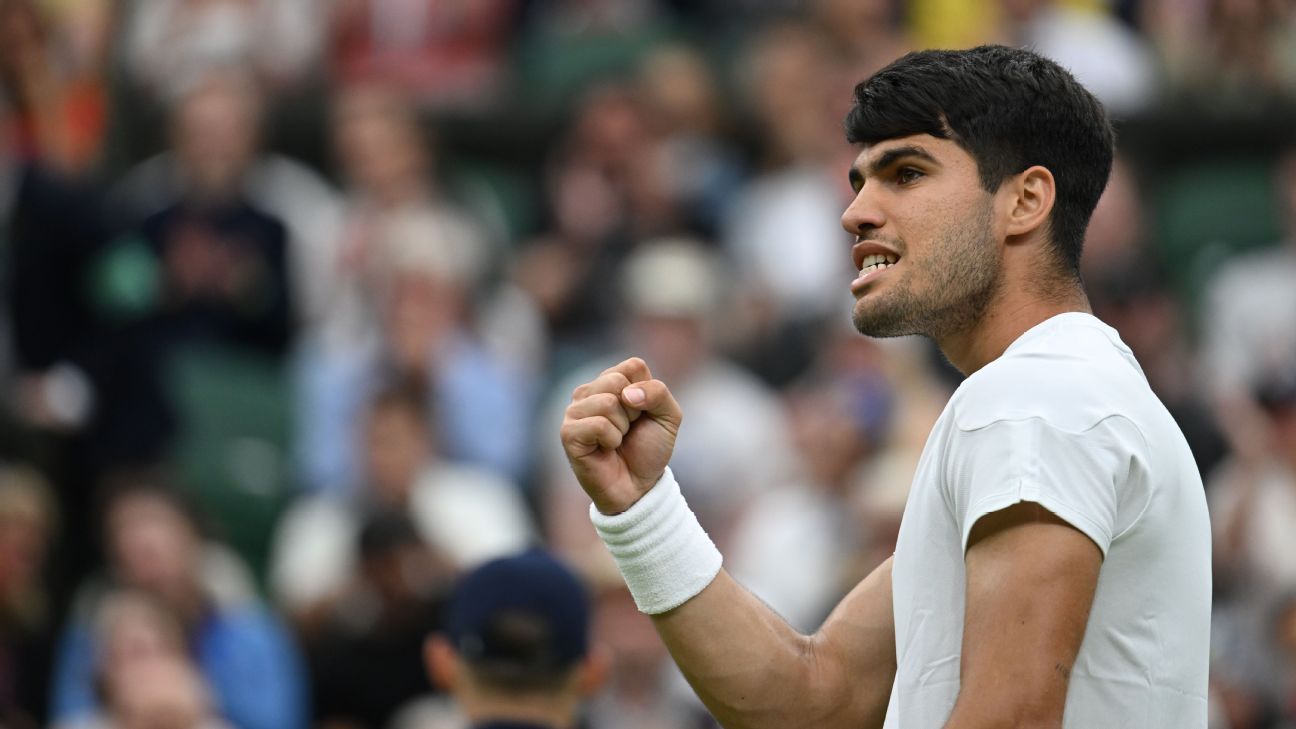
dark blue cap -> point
(528, 612)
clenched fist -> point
(619, 432)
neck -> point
(1014, 310)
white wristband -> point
(663, 552)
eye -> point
(907, 175)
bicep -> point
(1031, 579)
(856, 647)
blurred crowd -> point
(293, 294)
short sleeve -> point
(1092, 479)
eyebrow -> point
(889, 158)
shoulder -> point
(1071, 378)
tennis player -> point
(1053, 563)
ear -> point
(593, 670)
(442, 662)
(1032, 193)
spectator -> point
(863, 36)
(591, 228)
(208, 271)
(367, 660)
(794, 543)
(406, 246)
(644, 690)
(145, 676)
(222, 262)
(466, 514)
(1109, 58)
(1230, 52)
(50, 69)
(421, 326)
(447, 55)
(216, 140)
(516, 648)
(1254, 501)
(391, 171)
(162, 694)
(28, 524)
(688, 125)
(170, 43)
(154, 545)
(1253, 504)
(781, 231)
(1249, 325)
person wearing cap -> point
(515, 653)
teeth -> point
(876, 262)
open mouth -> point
(875, 262)
(872, 265)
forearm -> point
(746, 663)
(752, 670)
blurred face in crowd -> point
(24, 537)
(22, 551)
(926, 238)
(397, 448)
(23, 39)
(829, 439)
(676, 345)
(423, 310)
(679, 92)
(134, 629)
(153, 546)
(379, 144)
(159, 694)
(215, 135)
(792, 89)
(637, 653)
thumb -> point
(654, 399)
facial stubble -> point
(942, 290)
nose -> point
(863, 214)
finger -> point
(605, 404)
(655, 399)
(634, 369)
(582, 437)
(613, 382)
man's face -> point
(215, 137)
(926, 238)
(152, 546)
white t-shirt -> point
(1065, 419)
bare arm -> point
(749, 666)
(751, 669)
(1031, 579)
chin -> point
(874, 319)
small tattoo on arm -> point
(1063, 671)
